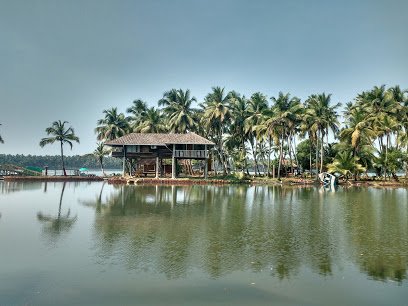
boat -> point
(327, 179)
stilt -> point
(157, 167)
(124, 162)
(173, 163)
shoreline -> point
(200, 181)
(52, 178)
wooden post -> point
(124, 161)
(205, 163)
(157, 166)
(173, 163)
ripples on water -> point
(206, 232)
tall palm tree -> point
(178, 107)
(216, 114)
(1, 139)
(152, 122)
(323, 118)
(382, 113)
(282, 121)
(100, 152)
(62, 134)
(358, 131)
(238, 133)
(137, 111)
(257, 106)
(112, 126)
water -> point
(97, 244)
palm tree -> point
(238, 134)
(100, 152)
(282, 121)
(323, 118)
(62, 134)
(1, 139)
(178, 107)
(346, 164)
(137, 111)
(257, 105)
(216, 115)
(152, 122)
(358, 130)
(114, 125)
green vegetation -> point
(61, 134)
(100, 152)
(251, 134)
(54, 161)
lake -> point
(86, 243)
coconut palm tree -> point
(346, 164)
(137, 111)
(323, 118)
(281, 122)
(178, 107)
(257, 106)
(358, 130)
(114, 125)
(62, 134)
(215, 117)
(238, 133)
(100, 152)
(152, 122)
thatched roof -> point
(159, 139)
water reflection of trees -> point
(378, 232)
(176, 229)
(54, 226)
(10, 186)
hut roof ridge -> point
(159, 139)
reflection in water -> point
(55, 226)
(178, 229)
(7, 187)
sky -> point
(70, 60)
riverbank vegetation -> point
(281, 135)
(54, 161)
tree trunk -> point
(317, 156)
(280, 156)
(288, 140)
(310, 158)
(251, 141)
(295, 153)
(269, 156)
(62, 160)
(321, 152)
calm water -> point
(97, 244)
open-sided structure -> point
(135, 148)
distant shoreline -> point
(200, 181)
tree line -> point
(54, 161)
(261, 132)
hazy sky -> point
(70, 60)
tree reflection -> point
(54, 226)
(220, 230)
(379, 234)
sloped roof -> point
(159, 139)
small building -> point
(138, 149)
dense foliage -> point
(54, 161)
(260, 134)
